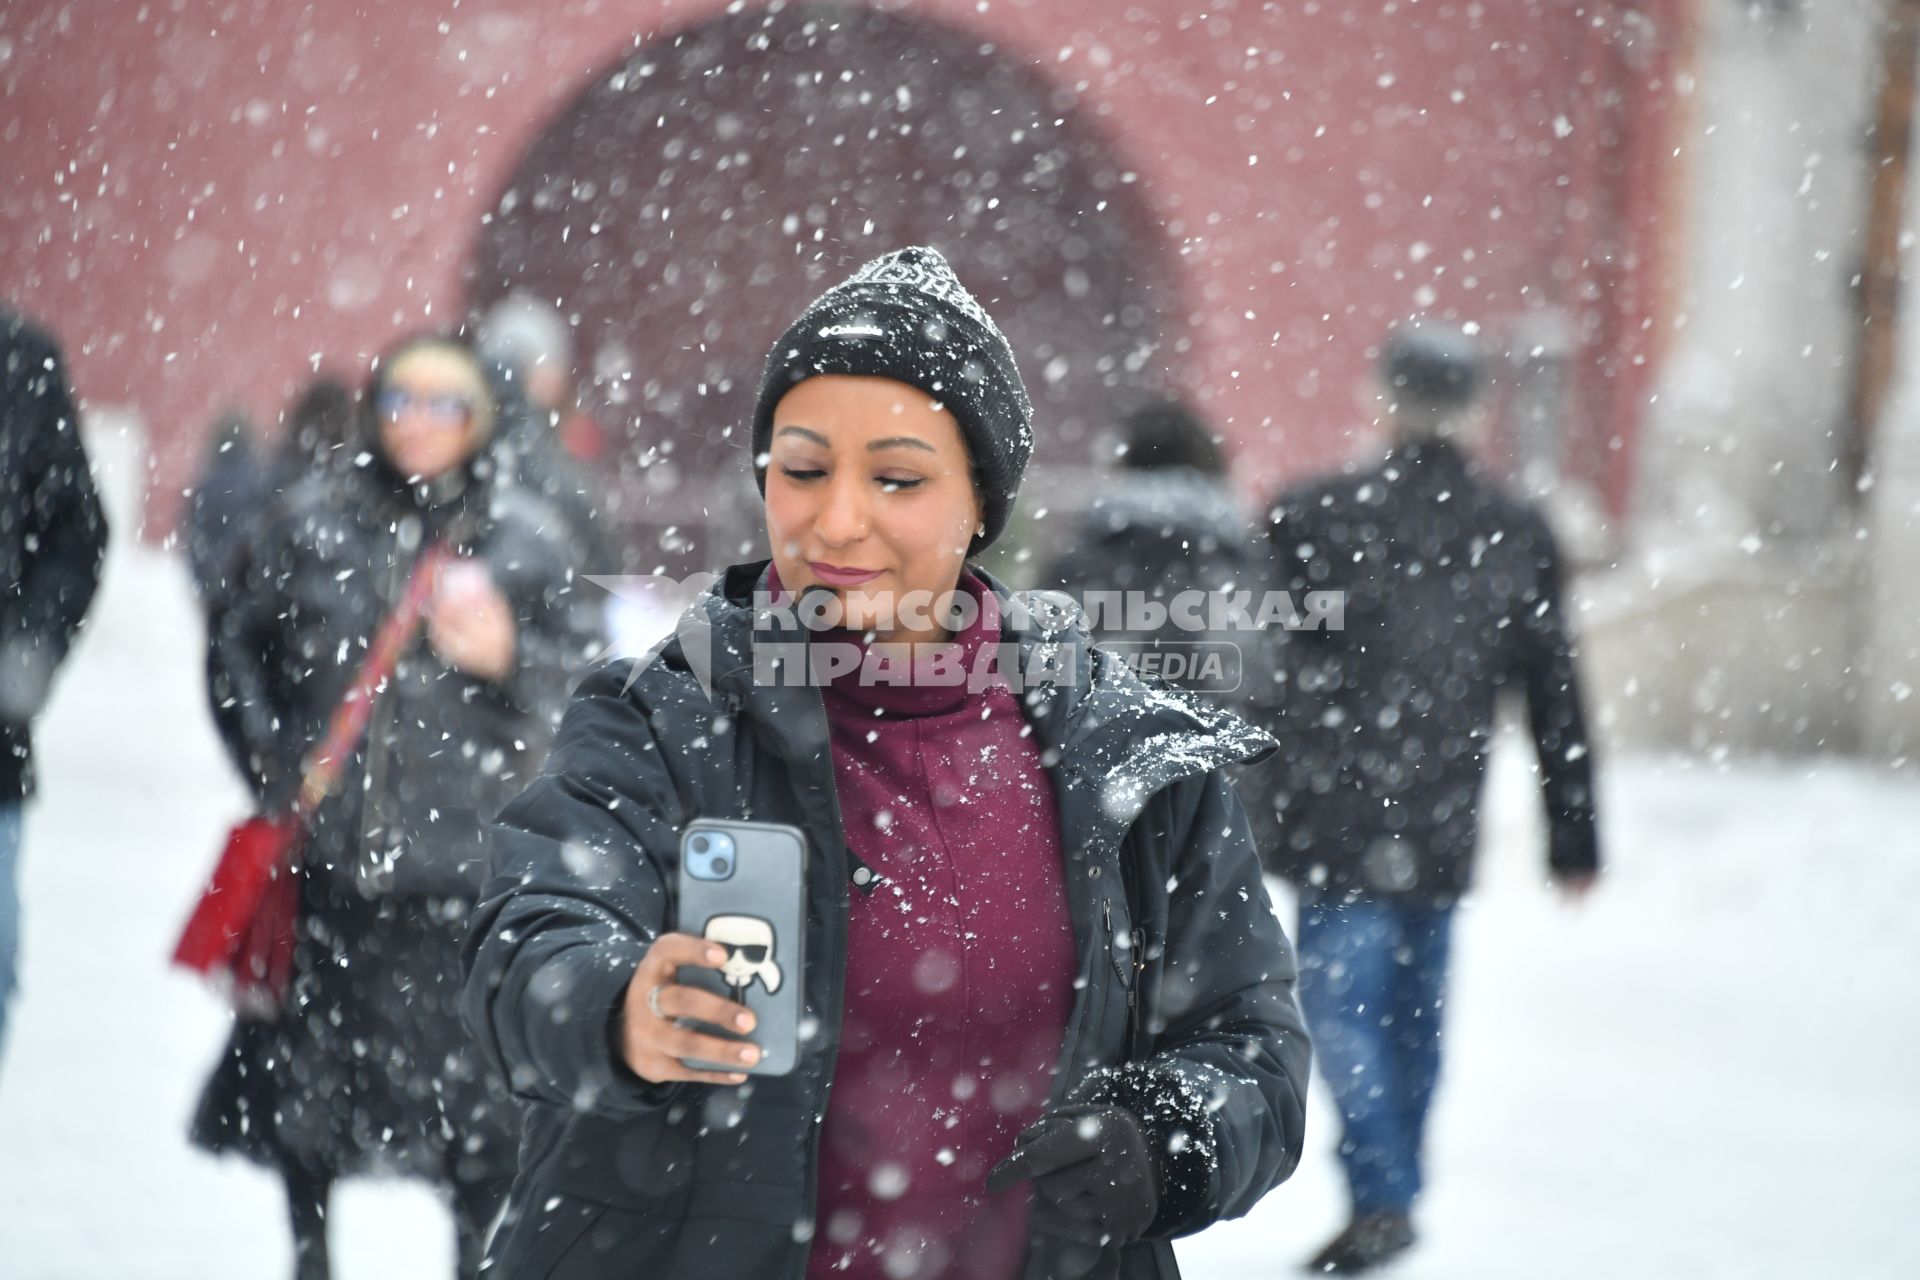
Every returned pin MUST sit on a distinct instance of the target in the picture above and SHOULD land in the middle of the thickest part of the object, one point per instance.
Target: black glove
(1095, 1188)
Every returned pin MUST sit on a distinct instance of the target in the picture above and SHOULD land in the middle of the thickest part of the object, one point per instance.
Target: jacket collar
(1434, 458)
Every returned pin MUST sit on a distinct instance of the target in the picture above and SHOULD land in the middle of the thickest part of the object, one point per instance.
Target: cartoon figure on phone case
(749, 944)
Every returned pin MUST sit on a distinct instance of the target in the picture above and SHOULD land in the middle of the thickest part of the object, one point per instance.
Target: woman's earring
(980, 530)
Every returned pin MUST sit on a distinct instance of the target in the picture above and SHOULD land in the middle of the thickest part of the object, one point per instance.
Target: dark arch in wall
(698, 194)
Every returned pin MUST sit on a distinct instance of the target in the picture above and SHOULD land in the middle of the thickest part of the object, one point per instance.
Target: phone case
(759, 914)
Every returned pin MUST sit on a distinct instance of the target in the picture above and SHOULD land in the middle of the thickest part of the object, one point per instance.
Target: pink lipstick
(835, 576)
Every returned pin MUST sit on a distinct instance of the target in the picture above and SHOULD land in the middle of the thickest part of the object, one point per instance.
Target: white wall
(1733, 620)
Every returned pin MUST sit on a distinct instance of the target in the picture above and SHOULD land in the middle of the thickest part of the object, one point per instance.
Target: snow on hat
(907, 317)
(520, 331)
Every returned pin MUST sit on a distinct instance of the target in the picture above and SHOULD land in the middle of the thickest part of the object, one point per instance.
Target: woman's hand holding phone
(654, 1043)
(470, 623)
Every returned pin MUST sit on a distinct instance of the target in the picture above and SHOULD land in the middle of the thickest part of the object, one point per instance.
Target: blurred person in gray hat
(530, 336)
(1452, 593)
(546, 439)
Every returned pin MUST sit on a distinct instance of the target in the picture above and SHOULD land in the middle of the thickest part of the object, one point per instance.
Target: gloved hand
(1095, 1188)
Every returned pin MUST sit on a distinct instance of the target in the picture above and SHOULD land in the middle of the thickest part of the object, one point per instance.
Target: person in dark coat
(530, 341)
(1049, 1013)
(239, 488)
(53, 540)
(1452, 593)
(234, 481)
(1169, 529)
(320, 433)
(367, 1068)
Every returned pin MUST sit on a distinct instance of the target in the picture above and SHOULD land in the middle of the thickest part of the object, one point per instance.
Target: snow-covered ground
(1707, 1070)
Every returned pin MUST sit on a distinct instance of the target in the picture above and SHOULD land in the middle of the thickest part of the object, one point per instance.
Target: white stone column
(1729, 624)
(1743, 434)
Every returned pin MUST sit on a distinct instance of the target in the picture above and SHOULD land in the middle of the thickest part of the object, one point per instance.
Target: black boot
(1369, 1240)
(307, 1195)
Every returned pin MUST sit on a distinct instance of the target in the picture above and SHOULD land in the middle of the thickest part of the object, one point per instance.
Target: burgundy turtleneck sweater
(960, 967)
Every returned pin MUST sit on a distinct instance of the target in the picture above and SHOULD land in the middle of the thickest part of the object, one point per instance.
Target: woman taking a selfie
(1048, 1017)
(366, 1067)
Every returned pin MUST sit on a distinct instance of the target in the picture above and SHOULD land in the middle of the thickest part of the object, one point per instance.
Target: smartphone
(743, 887)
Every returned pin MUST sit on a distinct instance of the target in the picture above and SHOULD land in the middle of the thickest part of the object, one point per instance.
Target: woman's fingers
(671, 950)
(672, 1071)
(678, 1001)
(690, 1046)
(664, 1050)
(656, 1045)
(476, 634)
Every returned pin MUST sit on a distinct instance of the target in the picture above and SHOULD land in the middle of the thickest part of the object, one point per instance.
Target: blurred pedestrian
(1371, 807)
(367, 1067)
(1044, 1060)
(320, 433)
(531, 341)
(1167, 529)
(240, 484)
(234, 481)
(529, 336)
(53, 539)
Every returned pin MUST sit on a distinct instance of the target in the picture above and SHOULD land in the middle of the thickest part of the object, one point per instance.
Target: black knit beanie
(907, 317)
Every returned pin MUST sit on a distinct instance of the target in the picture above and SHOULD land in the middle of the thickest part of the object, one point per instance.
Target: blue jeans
(1373, 976)
(9, 907)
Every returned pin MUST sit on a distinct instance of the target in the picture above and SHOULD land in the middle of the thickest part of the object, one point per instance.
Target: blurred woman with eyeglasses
(366, 1069)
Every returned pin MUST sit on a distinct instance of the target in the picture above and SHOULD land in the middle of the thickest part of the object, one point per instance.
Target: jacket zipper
(838, 930)
(1092, 997)
(1106, 915)
(1136, 970)
(1136, 1002)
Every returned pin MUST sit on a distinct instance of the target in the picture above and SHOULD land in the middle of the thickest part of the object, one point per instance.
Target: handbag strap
(348, 724)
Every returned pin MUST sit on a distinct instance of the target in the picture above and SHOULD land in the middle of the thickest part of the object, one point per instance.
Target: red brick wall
(204, 203)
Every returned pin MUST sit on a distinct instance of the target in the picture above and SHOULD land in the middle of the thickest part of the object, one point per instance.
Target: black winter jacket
(53, 538)
(1163, 534)
(445, 749)
(623, 1178)
(234, 485)
(1452, 592)
(529, 450)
